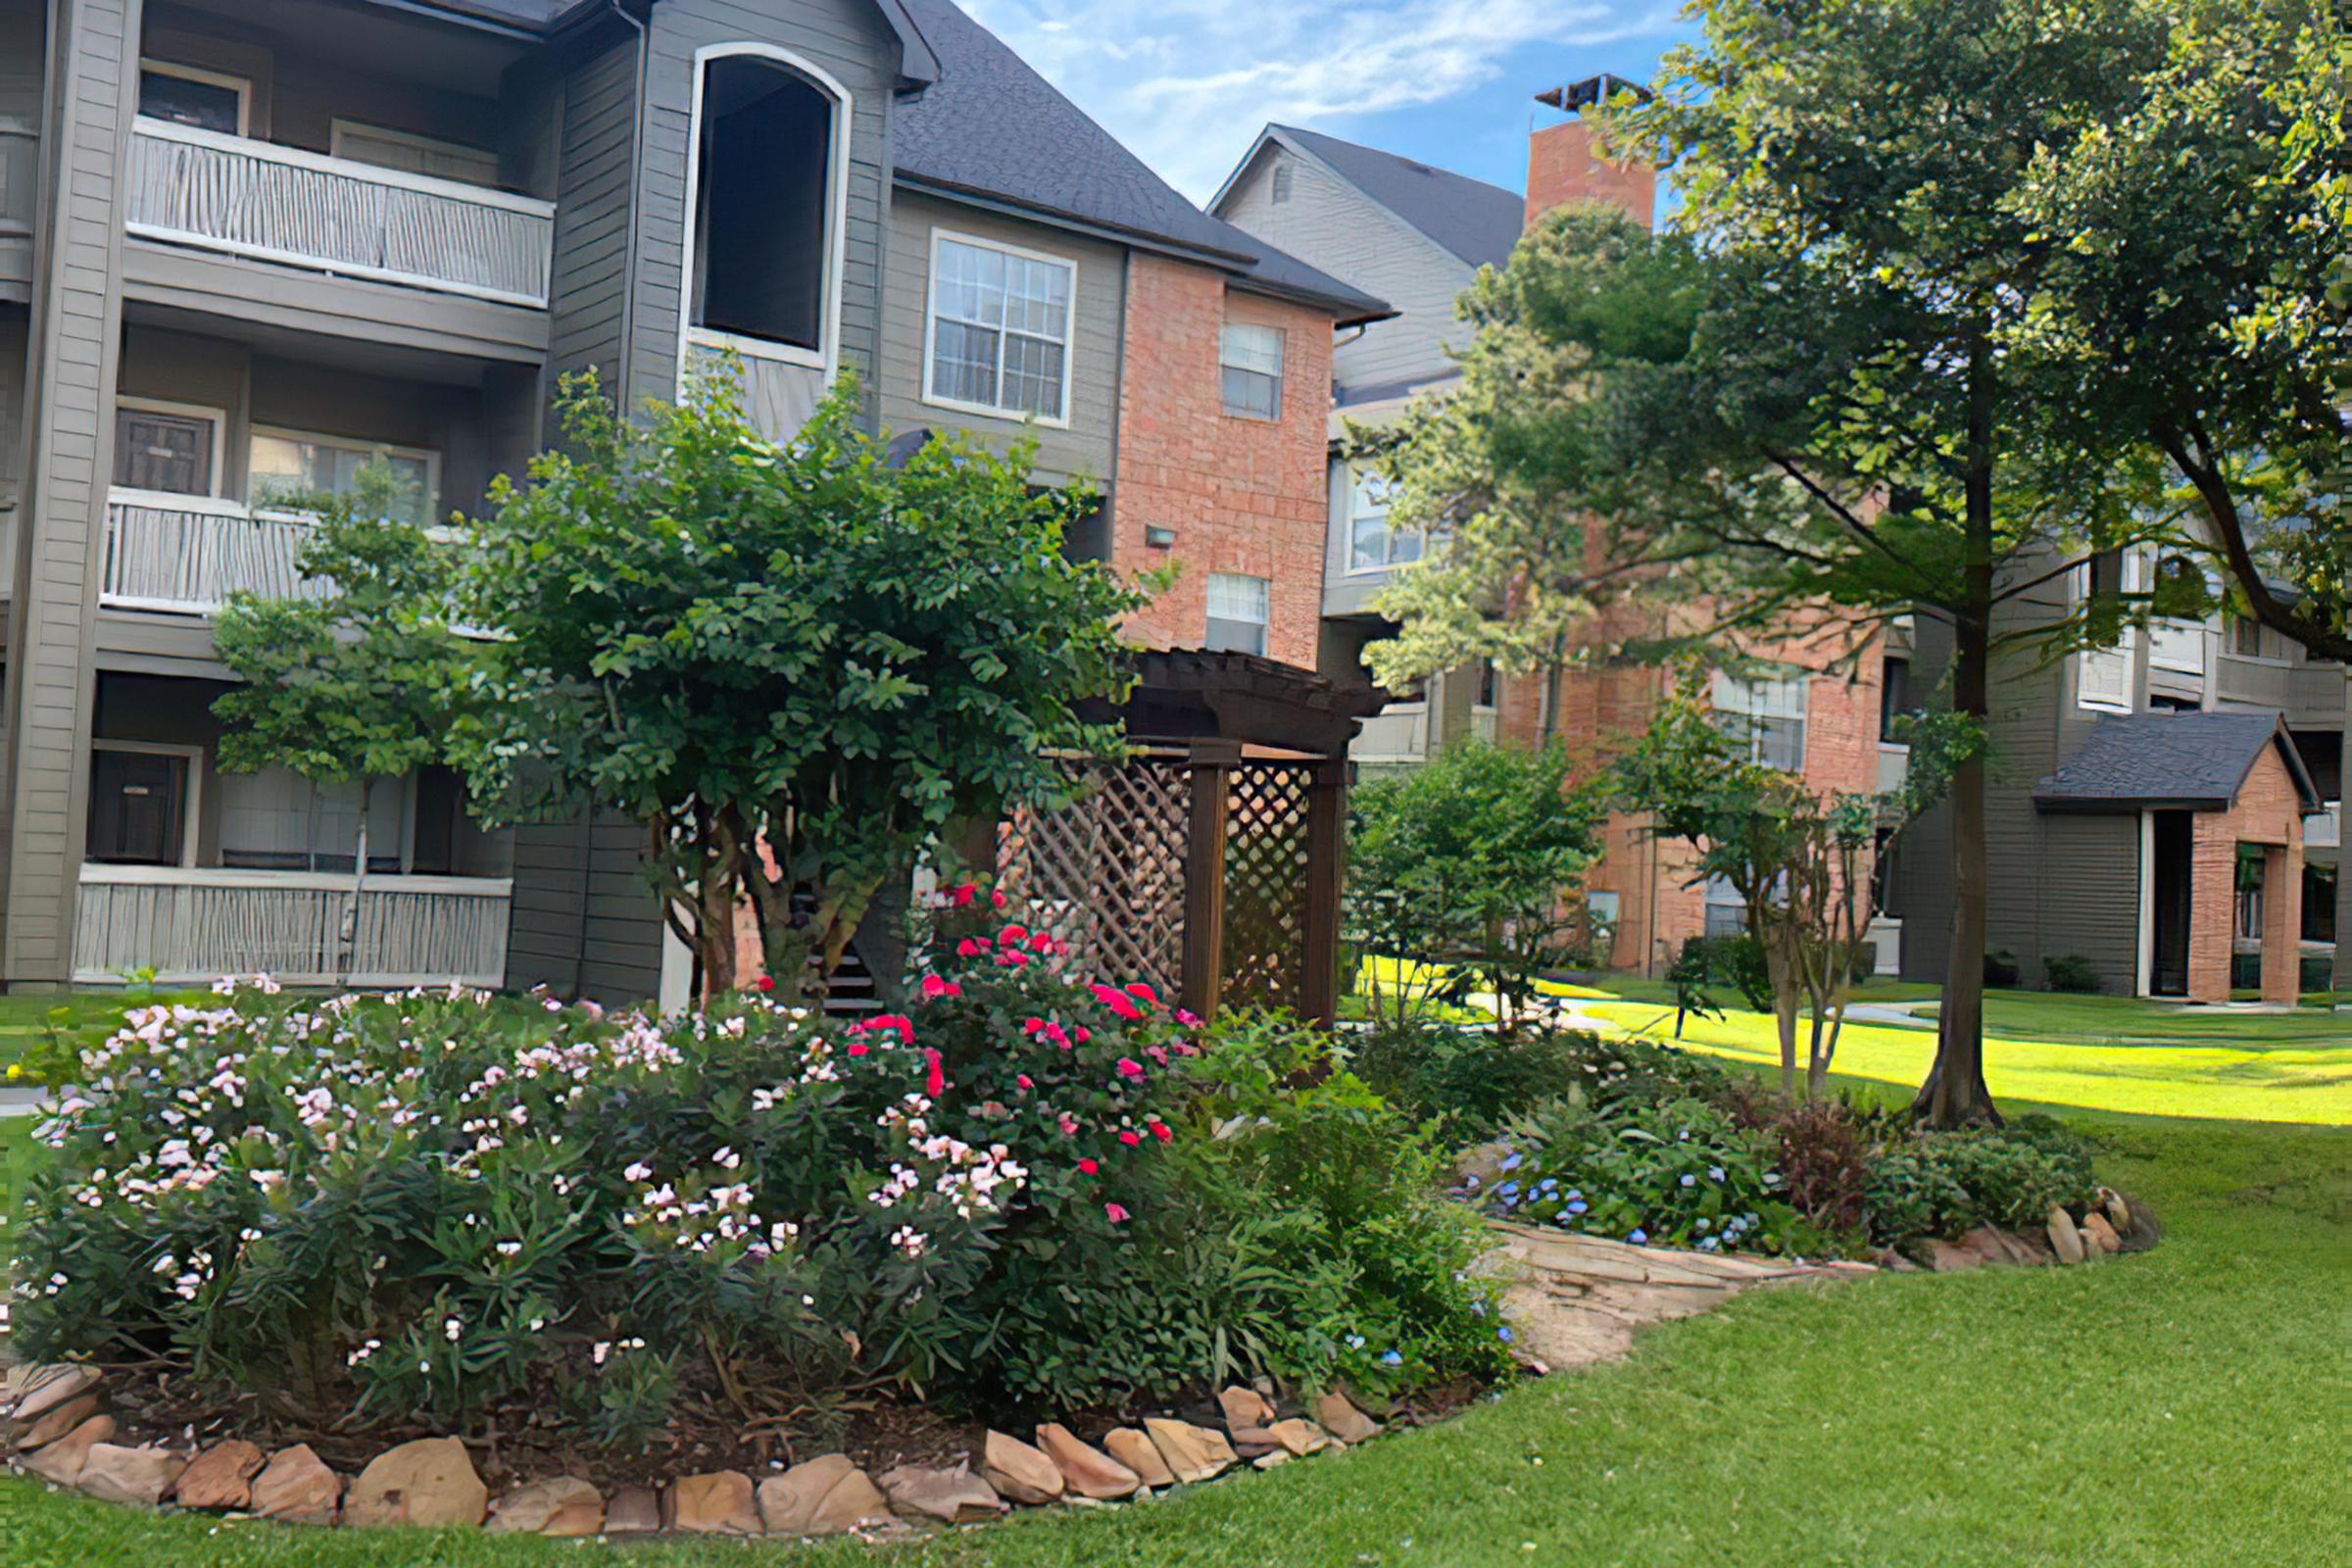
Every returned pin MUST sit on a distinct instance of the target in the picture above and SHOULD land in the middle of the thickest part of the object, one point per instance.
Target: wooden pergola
(1209, 864)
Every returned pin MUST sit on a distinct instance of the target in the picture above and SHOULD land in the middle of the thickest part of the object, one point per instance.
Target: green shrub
(2072, 972)
(1678, 1174)
(1472, 1077)
(1946, 1184)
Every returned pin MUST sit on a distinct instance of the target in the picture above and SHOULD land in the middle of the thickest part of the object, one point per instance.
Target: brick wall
(1242, 495)
(1561, 168)
(2269, 813)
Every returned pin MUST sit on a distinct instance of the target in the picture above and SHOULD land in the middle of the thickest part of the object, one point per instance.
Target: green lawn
(2181, 1407)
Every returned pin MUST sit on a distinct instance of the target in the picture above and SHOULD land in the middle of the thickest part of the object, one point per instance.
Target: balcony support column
(76, 320)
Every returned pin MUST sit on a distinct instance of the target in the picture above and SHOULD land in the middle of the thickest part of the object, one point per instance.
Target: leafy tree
(364, 675)
(1829, 397)
(1457, 868)
(793, 664)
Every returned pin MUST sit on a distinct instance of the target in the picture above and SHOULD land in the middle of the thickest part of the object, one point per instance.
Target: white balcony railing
(1895, 766)
(1397, 734)
(283, 203)
(2324, 829)
(191, 926)
(187, 553)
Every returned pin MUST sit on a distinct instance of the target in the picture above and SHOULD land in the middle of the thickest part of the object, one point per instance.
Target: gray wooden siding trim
(595, 166)
(50, 684)
(1331, 224)
(317, 304)
(583, 923)
(1086, 448)
(850, 41)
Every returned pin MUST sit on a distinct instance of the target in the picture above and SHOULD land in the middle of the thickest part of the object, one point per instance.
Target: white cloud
(1186, 84)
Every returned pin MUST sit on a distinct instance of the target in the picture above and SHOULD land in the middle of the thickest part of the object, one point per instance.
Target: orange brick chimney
(1561, 166)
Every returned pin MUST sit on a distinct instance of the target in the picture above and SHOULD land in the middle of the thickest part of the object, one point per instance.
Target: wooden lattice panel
(1105, 874)
(1266, 877)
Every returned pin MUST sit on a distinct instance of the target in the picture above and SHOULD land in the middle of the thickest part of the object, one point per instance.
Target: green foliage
(1734, 960)
(2072, 971)
(367, 676)
(1946, 1184)
(808, 646)
(1681, 1173)
(1473, 1078)
(1464, 863)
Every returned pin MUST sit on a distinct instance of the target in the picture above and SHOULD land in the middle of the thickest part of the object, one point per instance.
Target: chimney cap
(1592, 90)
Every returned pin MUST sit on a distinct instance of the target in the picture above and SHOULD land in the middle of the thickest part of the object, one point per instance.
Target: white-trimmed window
(1372, 544)
(1001, 320)
(385, 148)
(1727, 910)
(1237, 613)
(767, 224)
(190, 96)
(285, 465)
(1768, 712)
(1249, 356)
(143, 799)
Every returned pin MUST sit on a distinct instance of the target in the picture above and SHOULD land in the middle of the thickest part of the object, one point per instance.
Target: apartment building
(249, 248)
(1417, 236)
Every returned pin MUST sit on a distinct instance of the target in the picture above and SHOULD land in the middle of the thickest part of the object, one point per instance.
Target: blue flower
(1714, 1173)
(1708, 1244)
(1507, 1188)
(1391, 1359)
(1510, 1162)
(1563, 1218)
(1547, 1184)
(1504, 1335)
(1356, 1341)
(1579, 1207)
(1470, 1180)
(1575, 1192)
(1689, 1180)
(1638, 1237)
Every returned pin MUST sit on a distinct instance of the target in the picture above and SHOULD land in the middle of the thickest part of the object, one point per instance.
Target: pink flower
(1089, 1166)
(1158, 1053)
(1033, 1026)
(1012, 936)
(1043, 941)
(996, 895)
(1023, 1080)
(970, 948)
(934, 987)
(859, 1048)
(1013, 960)
(1187, 1018)
(1069, 1125)
(1130, 1137)
(1117, 1002)
(1129, 1067)
(935, 1077)
(1084, 1035)
(961, 895)
(766, 982)
(1162, 1131)
(1115, 1214)
(1143, 993)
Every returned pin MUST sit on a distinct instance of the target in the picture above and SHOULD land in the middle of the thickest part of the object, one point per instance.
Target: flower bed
(1032, 1190)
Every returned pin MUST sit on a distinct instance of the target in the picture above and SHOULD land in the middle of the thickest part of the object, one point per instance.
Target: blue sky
(1186, 84)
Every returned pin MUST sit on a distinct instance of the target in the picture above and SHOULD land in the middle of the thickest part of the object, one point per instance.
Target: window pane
(1236, 596)
(205, 105)
(1250, 395)
(277, 820)
(1033, 376)
(283, 469)
(1368, 543)
(970, 285)
(1404, 545)
(1252, 347)
(138, 802)
(964, 363)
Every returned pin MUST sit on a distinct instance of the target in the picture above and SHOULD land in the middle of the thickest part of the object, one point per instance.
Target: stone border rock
(1573, 1298)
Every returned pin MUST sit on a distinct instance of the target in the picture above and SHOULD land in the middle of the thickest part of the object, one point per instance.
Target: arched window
(769, 156)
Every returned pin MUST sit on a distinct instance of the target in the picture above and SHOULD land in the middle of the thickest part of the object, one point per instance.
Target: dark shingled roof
(992, 127)
(1475, 220)
(2194, 762)
(543, 16)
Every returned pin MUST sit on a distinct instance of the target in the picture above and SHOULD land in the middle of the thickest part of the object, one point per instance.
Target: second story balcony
(189, 185)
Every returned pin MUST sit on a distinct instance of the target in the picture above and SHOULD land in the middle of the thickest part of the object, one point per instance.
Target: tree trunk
(358, 882)
(1954, 1094)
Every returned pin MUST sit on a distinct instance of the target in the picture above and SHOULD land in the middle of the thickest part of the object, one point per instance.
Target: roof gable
(2192, 762)
(1477, 224)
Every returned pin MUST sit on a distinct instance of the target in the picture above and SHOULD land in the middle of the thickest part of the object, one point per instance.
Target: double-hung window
(1372, 544)
(1769, 713)
(1237, 613)
(1250, 359)
(287, 466)
(1000, 322)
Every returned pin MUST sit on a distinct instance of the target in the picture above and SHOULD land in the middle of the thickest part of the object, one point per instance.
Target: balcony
(197, 925)
(2324, 829)
(185, 555)
(1895, 766)
(281, 204)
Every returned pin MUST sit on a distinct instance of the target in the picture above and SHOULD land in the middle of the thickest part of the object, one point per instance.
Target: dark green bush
(1471, 1077)
(1946, 1184)
(2072, 972)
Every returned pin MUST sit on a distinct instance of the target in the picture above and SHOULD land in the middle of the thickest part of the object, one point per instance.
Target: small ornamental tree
(1457, 870)
(1800, 861)
(792, 664)
(365, 675)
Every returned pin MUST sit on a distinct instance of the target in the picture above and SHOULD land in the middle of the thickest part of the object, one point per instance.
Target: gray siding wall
(595, 164)
(21, 53)
(49, 675)
(850, 41)
(1088, 446)
(583, 921)
(1332, 225)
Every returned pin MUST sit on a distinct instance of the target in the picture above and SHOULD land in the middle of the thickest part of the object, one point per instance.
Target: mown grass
(2283, 1084)
(2181, 1407)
